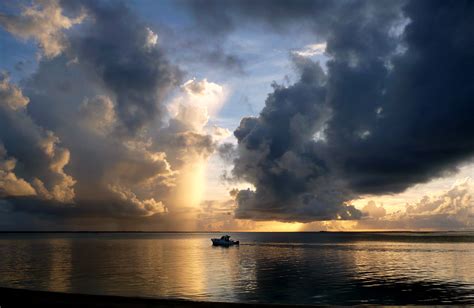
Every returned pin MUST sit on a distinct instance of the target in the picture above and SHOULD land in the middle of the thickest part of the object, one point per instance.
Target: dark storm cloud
(197, 48)
(277, 154)
(227, 151)
(217, 56)
(222, 17)
(394, 109)
(214, 20)
(114, 44)
(425, 125)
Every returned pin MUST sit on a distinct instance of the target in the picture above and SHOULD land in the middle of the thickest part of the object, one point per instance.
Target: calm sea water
(303, 268)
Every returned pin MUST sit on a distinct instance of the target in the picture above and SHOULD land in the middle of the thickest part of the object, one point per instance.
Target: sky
(206, 115)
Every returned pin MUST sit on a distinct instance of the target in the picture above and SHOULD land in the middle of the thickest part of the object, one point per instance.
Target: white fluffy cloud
(43, 22)
(10, 95)
(10, 184)
(151, 38)
(311, 50)
(198, 101)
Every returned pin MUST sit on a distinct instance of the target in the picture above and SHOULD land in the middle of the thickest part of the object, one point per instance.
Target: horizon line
(321, 231)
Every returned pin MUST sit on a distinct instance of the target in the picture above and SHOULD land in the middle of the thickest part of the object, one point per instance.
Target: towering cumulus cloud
(76, 140)
(105, 131)
(393, 109)
(277, 153)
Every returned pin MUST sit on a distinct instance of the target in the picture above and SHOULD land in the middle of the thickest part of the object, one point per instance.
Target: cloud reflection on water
(289, 268)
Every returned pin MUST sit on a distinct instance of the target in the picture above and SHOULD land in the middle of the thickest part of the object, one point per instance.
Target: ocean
(288, 268)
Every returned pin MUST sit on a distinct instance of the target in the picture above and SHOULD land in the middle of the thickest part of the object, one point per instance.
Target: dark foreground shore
(28, 298)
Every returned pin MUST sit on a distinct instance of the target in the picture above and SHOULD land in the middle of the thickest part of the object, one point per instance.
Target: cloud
(222, 17)
(451, 210)
(31, 151)
(217, 215)
(189, 140)
(44, 22)
(218, 133)
(389, 119)
(92, 133)
(151, 39)
(215, 21)
(79, 137)
(405, 145)
(190, 47)
(227, 151)
(276, 153)
(10, 185)
(372, 210)
(117, 51)
(199, 100)
(98, 114)
(11, 96)
(149, 206)
(311, 50)
(188, 135)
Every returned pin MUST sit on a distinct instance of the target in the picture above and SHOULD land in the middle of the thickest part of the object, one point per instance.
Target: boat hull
(219, 242)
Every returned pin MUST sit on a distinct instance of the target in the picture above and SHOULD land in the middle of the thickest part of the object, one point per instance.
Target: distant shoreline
(205, 232)
(10, 297)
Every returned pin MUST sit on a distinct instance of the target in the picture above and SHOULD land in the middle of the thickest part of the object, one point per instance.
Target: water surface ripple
(293, 268)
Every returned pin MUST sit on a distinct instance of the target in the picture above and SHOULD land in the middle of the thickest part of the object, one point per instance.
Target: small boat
(224, 241)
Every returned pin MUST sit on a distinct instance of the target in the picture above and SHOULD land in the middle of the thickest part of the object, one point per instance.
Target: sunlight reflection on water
(281, 267)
